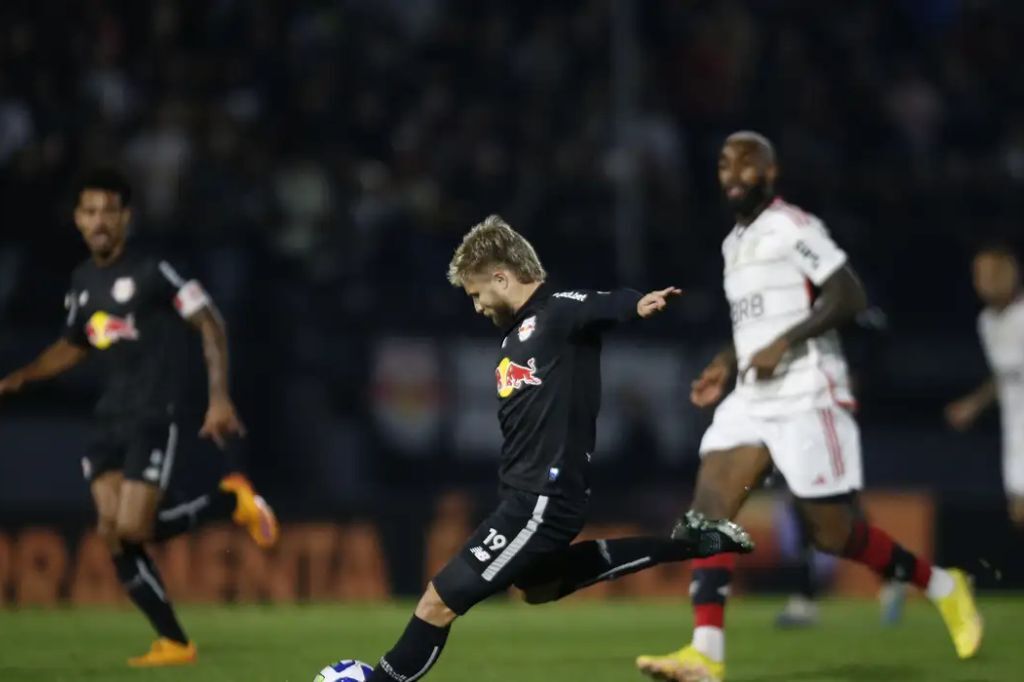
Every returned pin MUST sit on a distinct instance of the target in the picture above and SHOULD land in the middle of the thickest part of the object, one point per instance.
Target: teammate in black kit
(549, 386)
(126, 308)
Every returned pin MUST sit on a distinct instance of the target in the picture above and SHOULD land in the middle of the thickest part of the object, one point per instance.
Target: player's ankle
(940, 584)
(710, 641)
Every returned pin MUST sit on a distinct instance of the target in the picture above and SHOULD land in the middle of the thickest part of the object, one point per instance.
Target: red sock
(874, 548)
(711, 578)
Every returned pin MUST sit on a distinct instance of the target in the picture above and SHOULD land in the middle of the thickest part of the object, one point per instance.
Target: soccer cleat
(891, 598)
(961, 616)
(685, 665)
(251, 510)
(165, 652)
(800, 612)
(712, 536)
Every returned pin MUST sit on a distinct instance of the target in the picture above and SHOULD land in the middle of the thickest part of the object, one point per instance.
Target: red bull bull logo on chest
(512, 376)
(104, 329)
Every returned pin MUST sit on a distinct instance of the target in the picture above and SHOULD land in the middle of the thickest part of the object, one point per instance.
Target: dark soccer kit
(129, 313)
(549, 391)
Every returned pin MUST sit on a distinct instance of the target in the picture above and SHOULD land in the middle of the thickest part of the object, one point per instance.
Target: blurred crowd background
(315, 163)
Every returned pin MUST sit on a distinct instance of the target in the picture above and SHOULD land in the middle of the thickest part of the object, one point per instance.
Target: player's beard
(104, 251)
(502, 315)
(751, 201)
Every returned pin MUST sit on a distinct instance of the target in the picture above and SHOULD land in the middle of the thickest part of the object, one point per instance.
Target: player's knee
(107, 530)
(709, 501)
(134, 531)
(433, 610)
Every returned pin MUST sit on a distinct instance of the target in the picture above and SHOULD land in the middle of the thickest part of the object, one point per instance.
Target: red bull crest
(512, 376)
(104, 329)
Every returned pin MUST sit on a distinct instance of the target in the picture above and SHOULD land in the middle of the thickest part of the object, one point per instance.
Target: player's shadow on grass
(852, 672)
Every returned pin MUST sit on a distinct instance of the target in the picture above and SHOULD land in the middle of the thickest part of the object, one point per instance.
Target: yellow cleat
(685, 665)
(165, 652)
(961, 615)
(252, 511)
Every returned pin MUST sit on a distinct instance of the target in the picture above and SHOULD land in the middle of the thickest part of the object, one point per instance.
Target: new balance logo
(573, 295)
(481, 554)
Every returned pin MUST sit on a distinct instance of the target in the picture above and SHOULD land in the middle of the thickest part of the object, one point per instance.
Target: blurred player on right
(997, 279)
(790, 288)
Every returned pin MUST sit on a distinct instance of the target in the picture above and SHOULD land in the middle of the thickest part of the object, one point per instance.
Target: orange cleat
(252, 511)
(165, 652)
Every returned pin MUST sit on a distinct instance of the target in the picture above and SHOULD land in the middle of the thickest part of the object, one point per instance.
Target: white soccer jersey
(1002, 334)
(771, 268)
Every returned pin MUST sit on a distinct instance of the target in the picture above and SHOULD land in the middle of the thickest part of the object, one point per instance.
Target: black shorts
(523, 531)
(143, 450)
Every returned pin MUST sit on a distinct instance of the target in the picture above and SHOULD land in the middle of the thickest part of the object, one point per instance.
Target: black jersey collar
(541, 294)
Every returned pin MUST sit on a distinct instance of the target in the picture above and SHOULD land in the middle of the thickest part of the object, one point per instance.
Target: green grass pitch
(577, 641)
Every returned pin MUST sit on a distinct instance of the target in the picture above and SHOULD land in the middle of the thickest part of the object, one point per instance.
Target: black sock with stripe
(415, 653)
(181, 518)
(141, 580)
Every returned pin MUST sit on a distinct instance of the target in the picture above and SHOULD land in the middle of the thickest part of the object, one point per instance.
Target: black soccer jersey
(549, 387)
(129, 314)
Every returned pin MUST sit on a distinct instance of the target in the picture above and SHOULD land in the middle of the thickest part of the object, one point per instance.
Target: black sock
(805, 574)
(141, 581)
(805, 570)
(415, 653)
(181, 518)
(587, 563)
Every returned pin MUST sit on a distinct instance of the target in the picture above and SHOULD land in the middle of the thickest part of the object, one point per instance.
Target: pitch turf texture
(584, 641)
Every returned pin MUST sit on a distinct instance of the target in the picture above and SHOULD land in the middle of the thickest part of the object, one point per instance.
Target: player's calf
(593, 561)
(419, 647)
(830, 522)
(141, 580)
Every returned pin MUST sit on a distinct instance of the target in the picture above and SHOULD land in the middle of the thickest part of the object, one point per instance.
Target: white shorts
(1013, 470)
(817, 451)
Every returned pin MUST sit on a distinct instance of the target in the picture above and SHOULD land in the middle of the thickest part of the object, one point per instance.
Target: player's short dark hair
(108, 180)
(997, 247)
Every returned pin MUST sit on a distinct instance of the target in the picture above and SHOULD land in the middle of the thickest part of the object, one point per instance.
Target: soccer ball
(345, 671)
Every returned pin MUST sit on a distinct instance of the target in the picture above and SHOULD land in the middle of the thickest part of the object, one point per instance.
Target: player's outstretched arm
(962, 413)
(599, 311)
(221, 417)
(58, 358)
(841, 298)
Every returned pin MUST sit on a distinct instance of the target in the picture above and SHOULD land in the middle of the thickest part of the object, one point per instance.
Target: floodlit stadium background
(315, 164)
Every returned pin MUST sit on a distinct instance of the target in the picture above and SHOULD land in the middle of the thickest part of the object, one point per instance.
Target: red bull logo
(512, 376)
(104, 329)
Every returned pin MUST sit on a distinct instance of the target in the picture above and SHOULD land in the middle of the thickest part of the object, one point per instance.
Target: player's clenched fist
(221, 422)
(963, 413)
(709, 387)
(656, 301)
